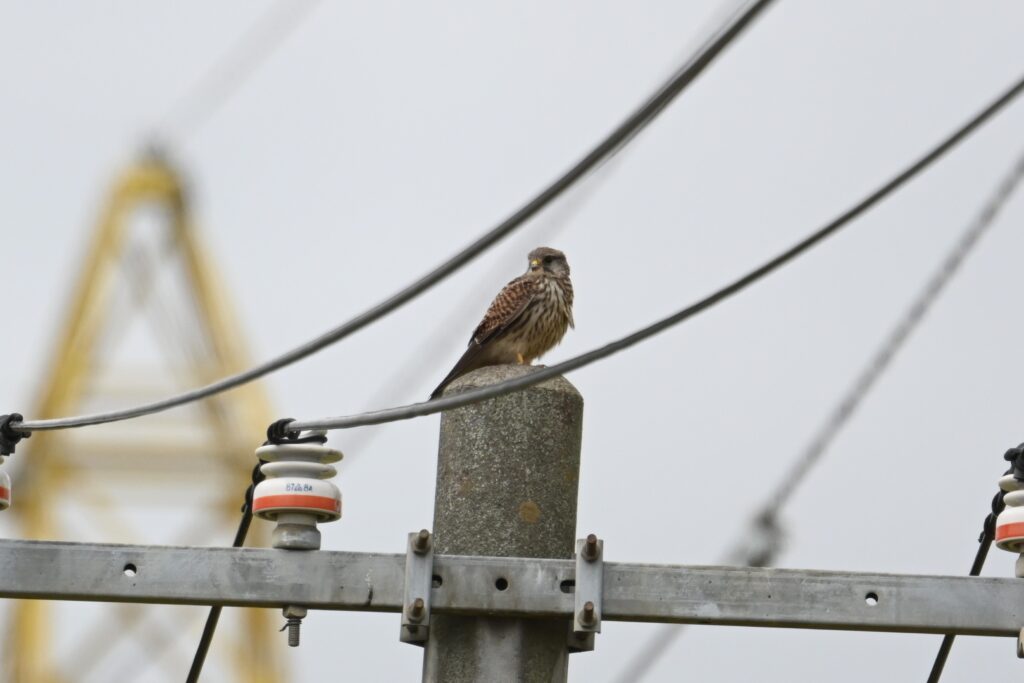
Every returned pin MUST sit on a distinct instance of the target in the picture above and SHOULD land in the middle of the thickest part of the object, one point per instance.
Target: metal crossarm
(788, 598)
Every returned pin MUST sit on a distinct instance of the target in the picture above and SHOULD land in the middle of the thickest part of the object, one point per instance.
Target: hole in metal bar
(130, 570)
(501, 584)
(871, 599)
(436, 581)
(567, 586)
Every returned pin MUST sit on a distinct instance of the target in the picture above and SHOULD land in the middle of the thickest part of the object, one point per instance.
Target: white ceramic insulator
(5, 488)
(1009, 483)
(292, 452)
(295, 483)
(1010, 522)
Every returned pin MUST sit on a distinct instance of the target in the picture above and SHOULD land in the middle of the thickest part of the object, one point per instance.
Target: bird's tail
(471, 360)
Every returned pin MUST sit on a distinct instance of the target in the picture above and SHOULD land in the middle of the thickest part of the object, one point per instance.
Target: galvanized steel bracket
(588, 594)
(419, 574)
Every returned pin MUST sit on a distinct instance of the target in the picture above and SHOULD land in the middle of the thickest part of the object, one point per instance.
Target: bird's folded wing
(511, 302)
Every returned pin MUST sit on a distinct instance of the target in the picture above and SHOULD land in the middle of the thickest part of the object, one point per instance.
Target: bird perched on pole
(529, 316)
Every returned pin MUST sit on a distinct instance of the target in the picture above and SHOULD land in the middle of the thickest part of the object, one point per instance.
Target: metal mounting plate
(419, 572)
(588, 599)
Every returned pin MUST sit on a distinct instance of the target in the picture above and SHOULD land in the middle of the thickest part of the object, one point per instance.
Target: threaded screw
(590, 551)
(294, 623)
(416, 610)
(421, 542)
(587, 614)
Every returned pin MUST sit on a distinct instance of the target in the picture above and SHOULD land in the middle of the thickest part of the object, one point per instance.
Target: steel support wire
(508, 386)
(623, 133)
(767, 517)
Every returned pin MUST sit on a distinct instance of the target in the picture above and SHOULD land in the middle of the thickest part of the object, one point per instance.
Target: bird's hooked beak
(534, 263)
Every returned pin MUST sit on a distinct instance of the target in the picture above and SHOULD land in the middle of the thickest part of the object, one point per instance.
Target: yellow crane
(177, 478)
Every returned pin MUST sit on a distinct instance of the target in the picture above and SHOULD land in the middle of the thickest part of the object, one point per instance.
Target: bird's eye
(548, 259)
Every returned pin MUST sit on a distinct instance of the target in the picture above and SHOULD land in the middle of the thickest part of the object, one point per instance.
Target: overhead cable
(892, 345)
(519, 383)
(409, 374)
(766, 519)
(412, 372)
(622, 134)
(226, 75)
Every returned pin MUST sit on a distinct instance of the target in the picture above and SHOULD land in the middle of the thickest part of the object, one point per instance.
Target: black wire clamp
(9, 436)
(278, 433)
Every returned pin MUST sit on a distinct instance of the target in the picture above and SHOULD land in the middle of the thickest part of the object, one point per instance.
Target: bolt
(294, 615)
(294, 623)
(587, 614)
(421, 544)
(590, 551)
(416, 610)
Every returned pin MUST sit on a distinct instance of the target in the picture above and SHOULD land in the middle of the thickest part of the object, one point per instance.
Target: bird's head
(548, 260)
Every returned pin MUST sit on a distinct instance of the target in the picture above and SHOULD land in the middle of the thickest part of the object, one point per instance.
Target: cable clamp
(9, 436)
(278, 433)
(419, 579)
(1015, 456)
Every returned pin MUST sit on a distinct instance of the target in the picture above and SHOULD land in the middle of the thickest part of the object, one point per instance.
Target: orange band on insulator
(292, 500)
(1009, 530)
(5, 492)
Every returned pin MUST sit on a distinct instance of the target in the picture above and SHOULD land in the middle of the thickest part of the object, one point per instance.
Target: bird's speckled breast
(547, 318)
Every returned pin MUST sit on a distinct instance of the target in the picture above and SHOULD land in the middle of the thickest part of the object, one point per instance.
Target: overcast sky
(382, 136)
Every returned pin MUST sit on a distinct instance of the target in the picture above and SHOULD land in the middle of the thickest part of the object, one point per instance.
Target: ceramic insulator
(1010, 523)
(295, 483)
(5, 488)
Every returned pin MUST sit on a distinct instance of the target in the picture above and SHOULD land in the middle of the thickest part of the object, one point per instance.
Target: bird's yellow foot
(520, 359)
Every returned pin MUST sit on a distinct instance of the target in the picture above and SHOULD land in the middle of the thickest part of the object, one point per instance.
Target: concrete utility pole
(507, 481)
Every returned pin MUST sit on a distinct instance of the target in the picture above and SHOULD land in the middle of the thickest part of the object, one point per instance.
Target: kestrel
(529, 316)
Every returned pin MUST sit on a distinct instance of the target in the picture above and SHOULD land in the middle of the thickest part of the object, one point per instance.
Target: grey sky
(381, 136)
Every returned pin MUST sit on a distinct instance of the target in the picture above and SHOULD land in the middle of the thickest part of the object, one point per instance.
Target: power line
(227, 74)
(899, 335)
(395, 386)
(410, 373)
(610, 145)
(508, 386)
(879, 362)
